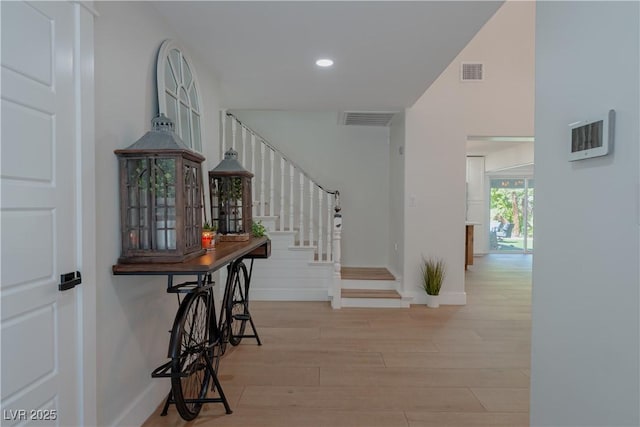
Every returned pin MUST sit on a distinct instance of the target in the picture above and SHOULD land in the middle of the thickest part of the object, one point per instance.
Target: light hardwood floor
(450, 366)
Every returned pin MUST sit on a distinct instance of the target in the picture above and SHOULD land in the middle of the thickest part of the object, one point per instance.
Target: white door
(41, 347)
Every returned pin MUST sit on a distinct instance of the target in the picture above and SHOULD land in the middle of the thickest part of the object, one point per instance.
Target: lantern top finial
(231, 154)
(162, 123)
(230, 165)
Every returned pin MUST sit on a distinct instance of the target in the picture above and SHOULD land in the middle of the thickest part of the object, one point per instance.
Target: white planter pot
(433, 301)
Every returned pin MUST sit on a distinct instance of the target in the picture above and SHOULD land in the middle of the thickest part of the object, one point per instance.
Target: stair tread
(366, 273)
(370, 293)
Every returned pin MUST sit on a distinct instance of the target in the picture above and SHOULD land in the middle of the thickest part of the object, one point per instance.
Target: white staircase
(362, 290)
(291, 273)
(304, 223)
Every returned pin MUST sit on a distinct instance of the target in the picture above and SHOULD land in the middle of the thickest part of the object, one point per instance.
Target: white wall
(351, 159)
(519, 155)
(395, 247)
(134, 313)
(437, 126)
(586, 335)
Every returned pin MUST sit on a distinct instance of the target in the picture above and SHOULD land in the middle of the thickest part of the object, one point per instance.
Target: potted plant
(433, 272)
(258, 229)
(208, 236)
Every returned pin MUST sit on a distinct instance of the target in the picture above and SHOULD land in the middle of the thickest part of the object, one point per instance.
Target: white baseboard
(288, 294)
(142, 406)
(446, 298)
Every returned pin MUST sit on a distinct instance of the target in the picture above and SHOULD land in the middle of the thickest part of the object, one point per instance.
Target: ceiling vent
(366, 118)
(471, 72)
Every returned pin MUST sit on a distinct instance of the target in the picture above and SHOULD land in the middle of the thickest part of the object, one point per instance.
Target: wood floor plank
(363, 398)
(303, 358)
(503, 399)
(462, 419)
(422, 377)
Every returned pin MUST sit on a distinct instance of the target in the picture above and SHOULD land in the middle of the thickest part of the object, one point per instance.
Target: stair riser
(374, 303)
(370, 284)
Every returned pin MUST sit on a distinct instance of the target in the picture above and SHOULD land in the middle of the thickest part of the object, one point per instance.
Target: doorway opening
(511, 205)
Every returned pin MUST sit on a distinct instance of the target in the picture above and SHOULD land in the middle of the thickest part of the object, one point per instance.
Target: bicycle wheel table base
(238, 303)
(199, 338)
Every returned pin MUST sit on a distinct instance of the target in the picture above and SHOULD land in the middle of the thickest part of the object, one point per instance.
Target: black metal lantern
(230, 189)
(160, 197)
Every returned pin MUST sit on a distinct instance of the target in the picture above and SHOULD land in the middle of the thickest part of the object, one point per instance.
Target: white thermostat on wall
(592, 138)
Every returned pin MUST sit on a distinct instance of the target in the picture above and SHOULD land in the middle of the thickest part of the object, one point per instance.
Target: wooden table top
(221, 255)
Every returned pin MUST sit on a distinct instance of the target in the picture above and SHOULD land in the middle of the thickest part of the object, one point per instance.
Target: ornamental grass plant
(433, 272)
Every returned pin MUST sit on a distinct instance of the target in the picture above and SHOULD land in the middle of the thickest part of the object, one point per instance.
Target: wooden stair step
(366, 273)
(370, 293)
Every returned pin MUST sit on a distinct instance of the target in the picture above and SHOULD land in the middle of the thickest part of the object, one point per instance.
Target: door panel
(40, 348)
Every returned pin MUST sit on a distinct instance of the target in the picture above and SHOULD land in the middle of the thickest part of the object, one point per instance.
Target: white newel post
(336, 301)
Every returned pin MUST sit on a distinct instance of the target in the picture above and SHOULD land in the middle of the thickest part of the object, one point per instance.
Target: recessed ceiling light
(324, 62)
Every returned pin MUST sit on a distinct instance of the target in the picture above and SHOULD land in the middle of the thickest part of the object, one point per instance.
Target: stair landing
(370, 287)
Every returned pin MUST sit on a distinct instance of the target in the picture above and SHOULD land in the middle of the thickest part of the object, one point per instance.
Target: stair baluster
(243, 136)
(253, 168)
(301, 223)
(291, 196)
(310, 213)
(262, 208)
(233, 134)
(271, 183)
(281, 219)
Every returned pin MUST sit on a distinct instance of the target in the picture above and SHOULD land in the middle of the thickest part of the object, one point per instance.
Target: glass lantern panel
(133, 217)
(145, 241)
(134, 239)
(171, 239)
(161, 239)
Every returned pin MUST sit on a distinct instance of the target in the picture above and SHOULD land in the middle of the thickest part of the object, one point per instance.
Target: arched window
(178, 93)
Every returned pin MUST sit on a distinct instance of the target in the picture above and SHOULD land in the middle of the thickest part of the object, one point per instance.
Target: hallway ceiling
(386, 53)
